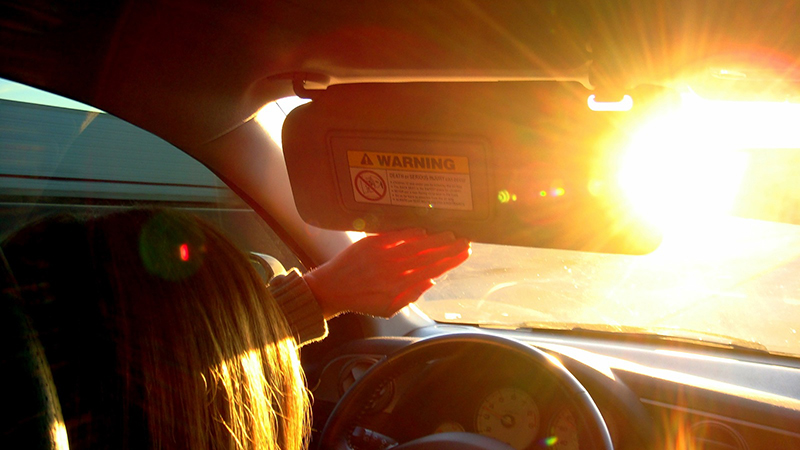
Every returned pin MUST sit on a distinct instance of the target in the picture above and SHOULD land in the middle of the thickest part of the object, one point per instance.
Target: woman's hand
(381, 274)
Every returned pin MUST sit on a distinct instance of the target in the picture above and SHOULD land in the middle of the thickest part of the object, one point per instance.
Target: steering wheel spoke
(363, 438)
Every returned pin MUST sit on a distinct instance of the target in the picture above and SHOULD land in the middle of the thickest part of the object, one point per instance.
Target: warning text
(409, 162)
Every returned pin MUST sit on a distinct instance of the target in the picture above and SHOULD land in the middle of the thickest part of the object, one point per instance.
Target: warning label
(417, 163)
(428, 181)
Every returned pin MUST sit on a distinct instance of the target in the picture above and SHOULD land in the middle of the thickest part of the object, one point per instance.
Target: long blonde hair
(203, 356)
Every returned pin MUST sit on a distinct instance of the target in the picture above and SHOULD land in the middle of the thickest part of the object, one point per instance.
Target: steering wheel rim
(357, 401)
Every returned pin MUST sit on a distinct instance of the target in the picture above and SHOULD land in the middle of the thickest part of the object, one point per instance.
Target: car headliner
(191, 71)
(196, 72)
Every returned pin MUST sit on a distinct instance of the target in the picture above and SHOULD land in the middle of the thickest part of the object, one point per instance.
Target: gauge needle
(486, 408)
(506, 420)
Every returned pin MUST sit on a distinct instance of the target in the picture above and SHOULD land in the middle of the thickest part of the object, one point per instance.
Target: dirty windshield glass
(709, 175)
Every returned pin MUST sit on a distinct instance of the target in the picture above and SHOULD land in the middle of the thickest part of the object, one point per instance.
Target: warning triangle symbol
(366, 161)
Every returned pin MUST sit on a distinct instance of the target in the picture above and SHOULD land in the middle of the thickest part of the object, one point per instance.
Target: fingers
(411, 240)
(422, 279)
(410, 295)
(416, 262)
(433, 256)
(383, 273)
(411, 248)
(393, 238)
(441, 266)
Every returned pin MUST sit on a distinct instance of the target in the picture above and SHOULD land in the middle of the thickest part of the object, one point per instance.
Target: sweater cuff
(298, 304)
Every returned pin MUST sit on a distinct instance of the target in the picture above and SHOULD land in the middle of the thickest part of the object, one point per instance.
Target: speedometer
(509, 415)
(563, 431)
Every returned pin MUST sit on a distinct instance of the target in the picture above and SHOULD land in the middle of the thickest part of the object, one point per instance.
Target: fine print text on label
(428, 181)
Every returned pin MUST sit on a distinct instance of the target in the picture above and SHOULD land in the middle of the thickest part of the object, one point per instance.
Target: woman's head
(164, 334)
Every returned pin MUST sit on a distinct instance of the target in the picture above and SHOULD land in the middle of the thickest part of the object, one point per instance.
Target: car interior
(625, 171)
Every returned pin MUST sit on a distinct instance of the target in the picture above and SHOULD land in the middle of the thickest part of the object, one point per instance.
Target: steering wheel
(360, 398)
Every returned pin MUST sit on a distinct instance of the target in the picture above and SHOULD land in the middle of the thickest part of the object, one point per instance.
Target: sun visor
(525, 164)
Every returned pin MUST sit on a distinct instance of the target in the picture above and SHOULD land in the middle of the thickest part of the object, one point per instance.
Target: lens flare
(171, 247)
(550, 441)
(183, 250)
(683, 171)
(690, 163)
(671, 180)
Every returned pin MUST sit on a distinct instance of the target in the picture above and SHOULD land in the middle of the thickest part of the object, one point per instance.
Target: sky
(10, 90)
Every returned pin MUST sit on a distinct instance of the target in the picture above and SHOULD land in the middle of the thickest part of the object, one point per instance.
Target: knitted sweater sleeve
(298, 304)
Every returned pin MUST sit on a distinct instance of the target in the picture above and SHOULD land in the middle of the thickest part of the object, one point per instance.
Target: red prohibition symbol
(370, 185)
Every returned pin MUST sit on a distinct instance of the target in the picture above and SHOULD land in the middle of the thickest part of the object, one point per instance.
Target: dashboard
(650, 395)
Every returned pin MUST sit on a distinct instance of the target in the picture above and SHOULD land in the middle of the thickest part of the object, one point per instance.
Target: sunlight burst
(687, 165)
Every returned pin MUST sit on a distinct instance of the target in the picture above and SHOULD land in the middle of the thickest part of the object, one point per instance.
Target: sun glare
(58, 434)
(272, 115)
(623, 105)
(688, 164)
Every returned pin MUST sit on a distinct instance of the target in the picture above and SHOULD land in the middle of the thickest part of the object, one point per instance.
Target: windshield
(707, 175)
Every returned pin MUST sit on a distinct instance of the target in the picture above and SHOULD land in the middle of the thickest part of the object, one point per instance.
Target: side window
(57, 155)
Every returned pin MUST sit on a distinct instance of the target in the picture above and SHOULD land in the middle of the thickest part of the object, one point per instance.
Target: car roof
(191, 71)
